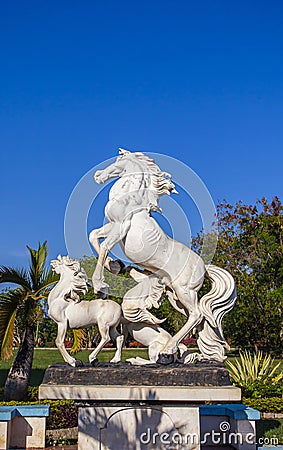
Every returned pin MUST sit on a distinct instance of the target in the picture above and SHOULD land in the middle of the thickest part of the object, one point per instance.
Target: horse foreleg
(94, 239)
(116, 234)
(61, 333)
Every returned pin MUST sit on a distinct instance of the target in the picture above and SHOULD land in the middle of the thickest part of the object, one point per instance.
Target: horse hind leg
(190, 301)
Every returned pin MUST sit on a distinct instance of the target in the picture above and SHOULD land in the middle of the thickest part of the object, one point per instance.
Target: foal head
(72, 276)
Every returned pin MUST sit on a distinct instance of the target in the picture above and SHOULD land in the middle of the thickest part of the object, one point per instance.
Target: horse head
(115, 170)
(129, 164)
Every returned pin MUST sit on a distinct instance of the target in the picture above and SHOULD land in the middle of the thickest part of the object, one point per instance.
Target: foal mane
(76, 285)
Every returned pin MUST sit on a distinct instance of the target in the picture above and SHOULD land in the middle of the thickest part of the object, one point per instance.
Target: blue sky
(199, 81)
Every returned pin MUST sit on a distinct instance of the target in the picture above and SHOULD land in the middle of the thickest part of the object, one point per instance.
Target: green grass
(44, 357)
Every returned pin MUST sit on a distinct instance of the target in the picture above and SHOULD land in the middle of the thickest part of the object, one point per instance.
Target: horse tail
(214, 305)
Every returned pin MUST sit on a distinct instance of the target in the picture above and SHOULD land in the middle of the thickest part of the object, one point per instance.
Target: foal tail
(214, 305)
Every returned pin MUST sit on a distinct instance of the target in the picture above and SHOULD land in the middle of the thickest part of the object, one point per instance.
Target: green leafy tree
(22, 304)
(47, 332)
(250, 246)
(118, 284)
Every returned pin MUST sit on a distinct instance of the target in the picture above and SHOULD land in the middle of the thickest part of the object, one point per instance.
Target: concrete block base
(138, 427)
(5, 431)
(28, 432)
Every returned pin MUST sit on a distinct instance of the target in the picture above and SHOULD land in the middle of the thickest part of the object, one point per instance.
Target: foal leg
(105, 338)
(61, 333)
(119, 339)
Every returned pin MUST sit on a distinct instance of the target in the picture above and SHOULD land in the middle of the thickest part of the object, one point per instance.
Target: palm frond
(278, 377)
(79, 335)
(9, 303)
(37, 265)
(16, 276)
(48, 279)
(7, 343)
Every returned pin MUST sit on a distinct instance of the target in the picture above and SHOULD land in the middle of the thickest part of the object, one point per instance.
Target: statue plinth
(125, 374)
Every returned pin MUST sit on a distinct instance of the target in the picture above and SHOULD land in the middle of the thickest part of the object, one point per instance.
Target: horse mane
(160, 181)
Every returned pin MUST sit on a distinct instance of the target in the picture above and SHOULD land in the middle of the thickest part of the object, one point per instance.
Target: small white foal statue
(69, 312)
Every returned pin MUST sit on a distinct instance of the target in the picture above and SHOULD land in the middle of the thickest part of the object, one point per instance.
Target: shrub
(63, 414)
(272, 404)
(189, 342)
(68, 343)
(135, 344)
(32, 395)
(275, 433)
(256, 375)
(262, 389)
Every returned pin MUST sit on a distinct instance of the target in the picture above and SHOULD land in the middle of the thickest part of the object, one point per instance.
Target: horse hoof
(102, 291)
(165, 359)
(78, 363)
(102, 294)
(116, 266)
(94, 362)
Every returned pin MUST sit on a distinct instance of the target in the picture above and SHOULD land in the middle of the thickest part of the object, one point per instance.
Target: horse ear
(122, 151)
(59, 257)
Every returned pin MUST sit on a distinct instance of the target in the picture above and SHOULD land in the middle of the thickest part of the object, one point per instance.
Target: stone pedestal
(126, 407)
(138, 427)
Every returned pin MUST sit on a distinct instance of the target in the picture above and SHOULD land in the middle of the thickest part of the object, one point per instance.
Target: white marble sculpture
(181, 271)
(69, 312)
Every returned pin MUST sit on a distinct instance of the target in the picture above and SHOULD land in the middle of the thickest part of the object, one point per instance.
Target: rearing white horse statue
(131, 199)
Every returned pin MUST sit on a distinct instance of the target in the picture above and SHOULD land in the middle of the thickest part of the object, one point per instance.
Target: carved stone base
(200, 374)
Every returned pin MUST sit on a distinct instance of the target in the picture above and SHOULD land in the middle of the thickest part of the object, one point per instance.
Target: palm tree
(33, 285)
